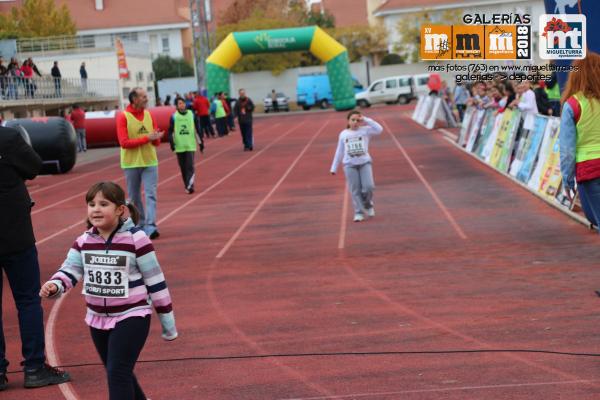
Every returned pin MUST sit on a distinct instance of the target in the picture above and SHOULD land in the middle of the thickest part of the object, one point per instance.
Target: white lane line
(435, 197)
(266, 198)
(450, 389)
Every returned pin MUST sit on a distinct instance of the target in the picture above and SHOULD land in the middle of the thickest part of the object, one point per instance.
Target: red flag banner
(123, 71)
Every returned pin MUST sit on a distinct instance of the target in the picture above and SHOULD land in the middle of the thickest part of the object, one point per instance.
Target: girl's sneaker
(371, 212)
(358, 218)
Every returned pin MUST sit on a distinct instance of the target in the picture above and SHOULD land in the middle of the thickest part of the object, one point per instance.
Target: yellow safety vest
(144, 155)
(588, 129)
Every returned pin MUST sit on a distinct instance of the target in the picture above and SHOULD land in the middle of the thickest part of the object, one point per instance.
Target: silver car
(282, 102)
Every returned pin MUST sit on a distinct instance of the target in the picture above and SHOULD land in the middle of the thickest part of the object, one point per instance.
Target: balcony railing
(54, 44)
(18, 89)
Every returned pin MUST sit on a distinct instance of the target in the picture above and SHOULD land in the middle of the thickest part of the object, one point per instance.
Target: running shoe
(371, 212)
(44, 376)
(358, 218)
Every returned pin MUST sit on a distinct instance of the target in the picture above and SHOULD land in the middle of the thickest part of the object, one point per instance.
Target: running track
(278, 295)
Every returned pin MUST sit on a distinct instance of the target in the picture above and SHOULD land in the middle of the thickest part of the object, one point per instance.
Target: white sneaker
(358, 218)
(371, 212)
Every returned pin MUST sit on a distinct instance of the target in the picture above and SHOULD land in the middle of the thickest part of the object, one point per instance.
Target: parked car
(421, 81)
(314, 89)
(393, 89)
(282, 102)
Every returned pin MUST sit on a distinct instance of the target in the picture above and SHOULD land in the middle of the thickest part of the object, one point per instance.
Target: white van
(420, 84)
(394, 89)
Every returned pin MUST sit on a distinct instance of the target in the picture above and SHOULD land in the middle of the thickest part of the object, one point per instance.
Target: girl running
(121, 278)
(353, 152)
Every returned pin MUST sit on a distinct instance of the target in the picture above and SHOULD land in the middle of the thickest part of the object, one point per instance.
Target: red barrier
(101, 126)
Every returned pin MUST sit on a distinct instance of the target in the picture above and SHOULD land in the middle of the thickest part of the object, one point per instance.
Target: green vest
(184, 132)
(220, 113)
(588, 129)
(554, 93)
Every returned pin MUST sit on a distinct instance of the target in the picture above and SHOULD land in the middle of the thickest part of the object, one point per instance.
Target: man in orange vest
(138, 137)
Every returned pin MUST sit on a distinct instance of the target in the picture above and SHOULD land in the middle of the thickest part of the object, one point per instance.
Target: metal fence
(53, 44)
(18, 88)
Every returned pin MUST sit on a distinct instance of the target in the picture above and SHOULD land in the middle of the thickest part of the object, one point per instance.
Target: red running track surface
(274, 286)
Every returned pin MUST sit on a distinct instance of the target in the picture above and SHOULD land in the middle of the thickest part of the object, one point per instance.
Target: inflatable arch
(311, 38)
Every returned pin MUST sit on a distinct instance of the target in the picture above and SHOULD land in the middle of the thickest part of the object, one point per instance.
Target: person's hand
(49, 289)
(156, 135)
(568, 193)
(550, 112)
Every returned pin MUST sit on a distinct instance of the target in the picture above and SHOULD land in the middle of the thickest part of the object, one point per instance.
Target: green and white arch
(311, 38)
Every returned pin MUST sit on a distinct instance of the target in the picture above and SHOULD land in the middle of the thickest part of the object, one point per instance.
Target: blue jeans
(589, 192)
(148, 176)
(81, 142)
(23, 273)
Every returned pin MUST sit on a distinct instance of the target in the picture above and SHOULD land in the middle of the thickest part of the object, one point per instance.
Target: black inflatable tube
(53, 138)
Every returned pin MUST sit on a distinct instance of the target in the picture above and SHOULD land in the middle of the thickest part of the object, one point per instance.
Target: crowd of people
(542, 97)
(24, 80)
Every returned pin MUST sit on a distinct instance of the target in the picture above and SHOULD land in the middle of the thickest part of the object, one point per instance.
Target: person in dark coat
(243, 110)
(19, 259)
(57, 76)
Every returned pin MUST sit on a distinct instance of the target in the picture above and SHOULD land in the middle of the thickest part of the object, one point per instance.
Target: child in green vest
(183, 137)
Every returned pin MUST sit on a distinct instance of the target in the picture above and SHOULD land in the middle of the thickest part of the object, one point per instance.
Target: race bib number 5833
(105, 275)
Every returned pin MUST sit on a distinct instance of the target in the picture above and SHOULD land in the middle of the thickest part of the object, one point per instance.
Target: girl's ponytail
(133, 212)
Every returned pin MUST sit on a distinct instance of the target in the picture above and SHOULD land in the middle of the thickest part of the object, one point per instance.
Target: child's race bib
(355, 147)
(105, 275)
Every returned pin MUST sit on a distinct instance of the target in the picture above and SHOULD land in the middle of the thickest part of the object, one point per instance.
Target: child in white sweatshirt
(353, 152)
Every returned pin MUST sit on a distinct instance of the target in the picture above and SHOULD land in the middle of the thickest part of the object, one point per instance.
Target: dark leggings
(119, 349)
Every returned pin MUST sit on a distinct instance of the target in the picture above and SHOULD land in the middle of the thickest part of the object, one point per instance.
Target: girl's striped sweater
(147, 285)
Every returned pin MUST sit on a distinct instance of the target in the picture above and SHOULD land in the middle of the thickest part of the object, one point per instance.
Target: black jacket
(243, 110)
(18, 162)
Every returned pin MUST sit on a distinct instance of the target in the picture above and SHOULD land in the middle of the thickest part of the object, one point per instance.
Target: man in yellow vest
(138, 137)
(184, 135)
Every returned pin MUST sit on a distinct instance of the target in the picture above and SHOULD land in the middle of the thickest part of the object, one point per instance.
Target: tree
(37, 18)
(240, 10)
(167, 67)
(323, 20)
(409, 28)
(275, 62)
(361, 41)
(392, 58)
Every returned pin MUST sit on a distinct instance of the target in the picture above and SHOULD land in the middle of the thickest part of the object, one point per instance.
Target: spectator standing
(167, 100)
(138, 137)
(244, 107)
(541, 98)
(220, 114)
(19, 259)
(78, 121)
(553, 92)
(202, 107)
(84, 77)
(274, 101)
(3, 80)
(461, 95)
(27, 74)
(56, 75)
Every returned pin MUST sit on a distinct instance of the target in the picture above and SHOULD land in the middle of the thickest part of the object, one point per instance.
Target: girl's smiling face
(104, 214)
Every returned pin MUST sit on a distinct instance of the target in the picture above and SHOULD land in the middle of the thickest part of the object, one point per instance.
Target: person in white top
(525, 102)
(353, 152)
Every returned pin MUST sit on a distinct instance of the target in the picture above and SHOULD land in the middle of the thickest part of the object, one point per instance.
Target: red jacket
(78, 118)
(122, 133)
(201, 106)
